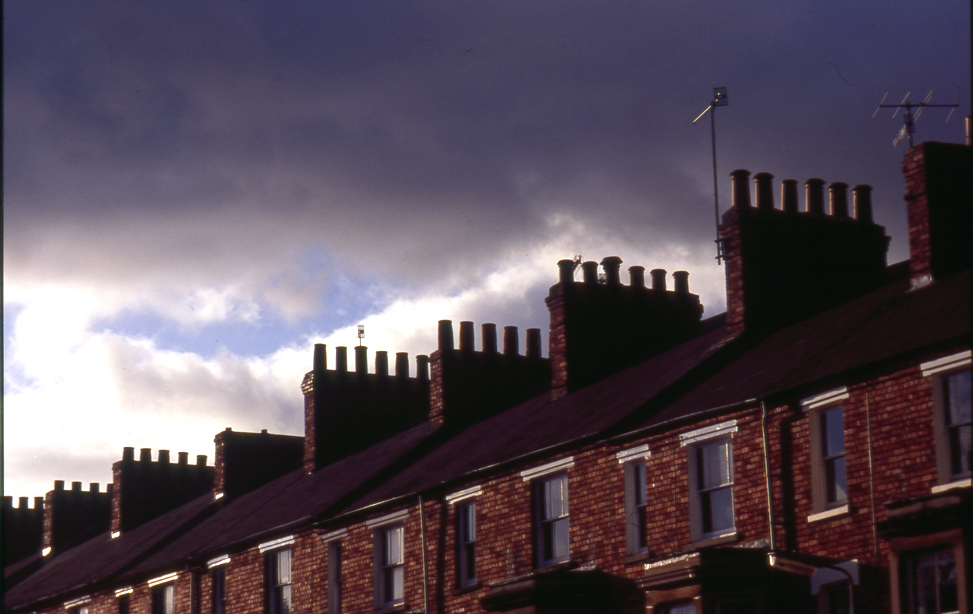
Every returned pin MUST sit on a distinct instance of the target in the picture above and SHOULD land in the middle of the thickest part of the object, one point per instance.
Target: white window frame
(466, 542)
(697, 493)
(911, 562)
(389, 554)
(636, 499)
(817, 408)
(163, 598)
(218, 589)
(277, 585)
(551, 519)
(940, 371)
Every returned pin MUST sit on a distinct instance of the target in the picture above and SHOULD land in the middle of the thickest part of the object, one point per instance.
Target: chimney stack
(600, 329)
(143, 490)
(938, 201)
(247, 460)
(72, 516)
(782, 265)
(343, 414)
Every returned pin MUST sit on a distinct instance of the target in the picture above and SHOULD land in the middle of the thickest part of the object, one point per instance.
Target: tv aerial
(719, 100)
(910, 117)
(361, 333)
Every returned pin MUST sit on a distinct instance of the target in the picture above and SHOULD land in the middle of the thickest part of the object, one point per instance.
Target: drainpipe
(425, 569)
(770, 492)
(871, 474)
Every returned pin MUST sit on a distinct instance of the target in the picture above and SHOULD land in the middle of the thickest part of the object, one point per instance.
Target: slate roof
(829, 349)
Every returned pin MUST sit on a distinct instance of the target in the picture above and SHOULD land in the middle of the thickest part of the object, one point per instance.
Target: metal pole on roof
(719, 100)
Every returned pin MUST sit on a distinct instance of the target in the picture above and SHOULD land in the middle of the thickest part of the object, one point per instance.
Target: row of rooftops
(703, 364)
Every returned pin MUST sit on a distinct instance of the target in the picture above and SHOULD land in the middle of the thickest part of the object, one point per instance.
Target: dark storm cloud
(416, 128)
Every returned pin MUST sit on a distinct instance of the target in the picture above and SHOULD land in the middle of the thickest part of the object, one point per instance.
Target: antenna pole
(716, 187)
(719, 100)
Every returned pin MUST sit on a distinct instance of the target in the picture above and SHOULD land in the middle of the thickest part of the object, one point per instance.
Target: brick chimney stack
(74, 515)
(144, 490)
(23, 528)
(346, 412)
(938, 200)
(468, 386)
(247, 460)
(598, 329)
(783, 265)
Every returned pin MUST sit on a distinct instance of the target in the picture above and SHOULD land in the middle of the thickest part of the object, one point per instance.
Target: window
(334, 577)
(551, 512)
(123, 603)
(635, 504)
(951, 400)
(278, 581)
(828, 482)
(81, 609)
(164, 599)
(711, 464)
(932, 587)
(218, 576)
(466, 542)
(956, 422)
(390, 566)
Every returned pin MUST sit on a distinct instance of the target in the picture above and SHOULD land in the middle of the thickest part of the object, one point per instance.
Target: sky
(195, 193)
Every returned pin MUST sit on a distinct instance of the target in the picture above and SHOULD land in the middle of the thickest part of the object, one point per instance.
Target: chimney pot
(382, 363)
(611, 266)
(128, 454)
(488, 341)
(763, 186)
(109, 489)
(511, 342)
(59, 485)
(164, 457)
(402, 364)
(8, 502)
(533, 343)
(681, 282)
(862, 202)
(200, 460)
(184, 458)
(263, 432)
(320, 357)
(658, 279)
(75, 486)
(445, 335)
(590, 272)
(145, 455)
(788, 195)
(636, 275)
(838, 199)
(361, 360)
(565, 271)
(422, 368)
(39, 501)
(466, 336)
(814, 196)
(740, 188)
(22, 502)
(341, 359)
(94, 487)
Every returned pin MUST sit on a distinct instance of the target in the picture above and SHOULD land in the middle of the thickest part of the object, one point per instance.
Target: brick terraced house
(807, 451)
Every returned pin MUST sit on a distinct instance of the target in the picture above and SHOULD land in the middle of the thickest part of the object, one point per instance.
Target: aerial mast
(910, 118)
(719, 100)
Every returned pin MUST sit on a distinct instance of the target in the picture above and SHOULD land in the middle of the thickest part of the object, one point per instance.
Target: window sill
(636, 558)
(837, 512)
(569, 564)
(951, 486)
(399, 607)
(719, 540)
(462, 590)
